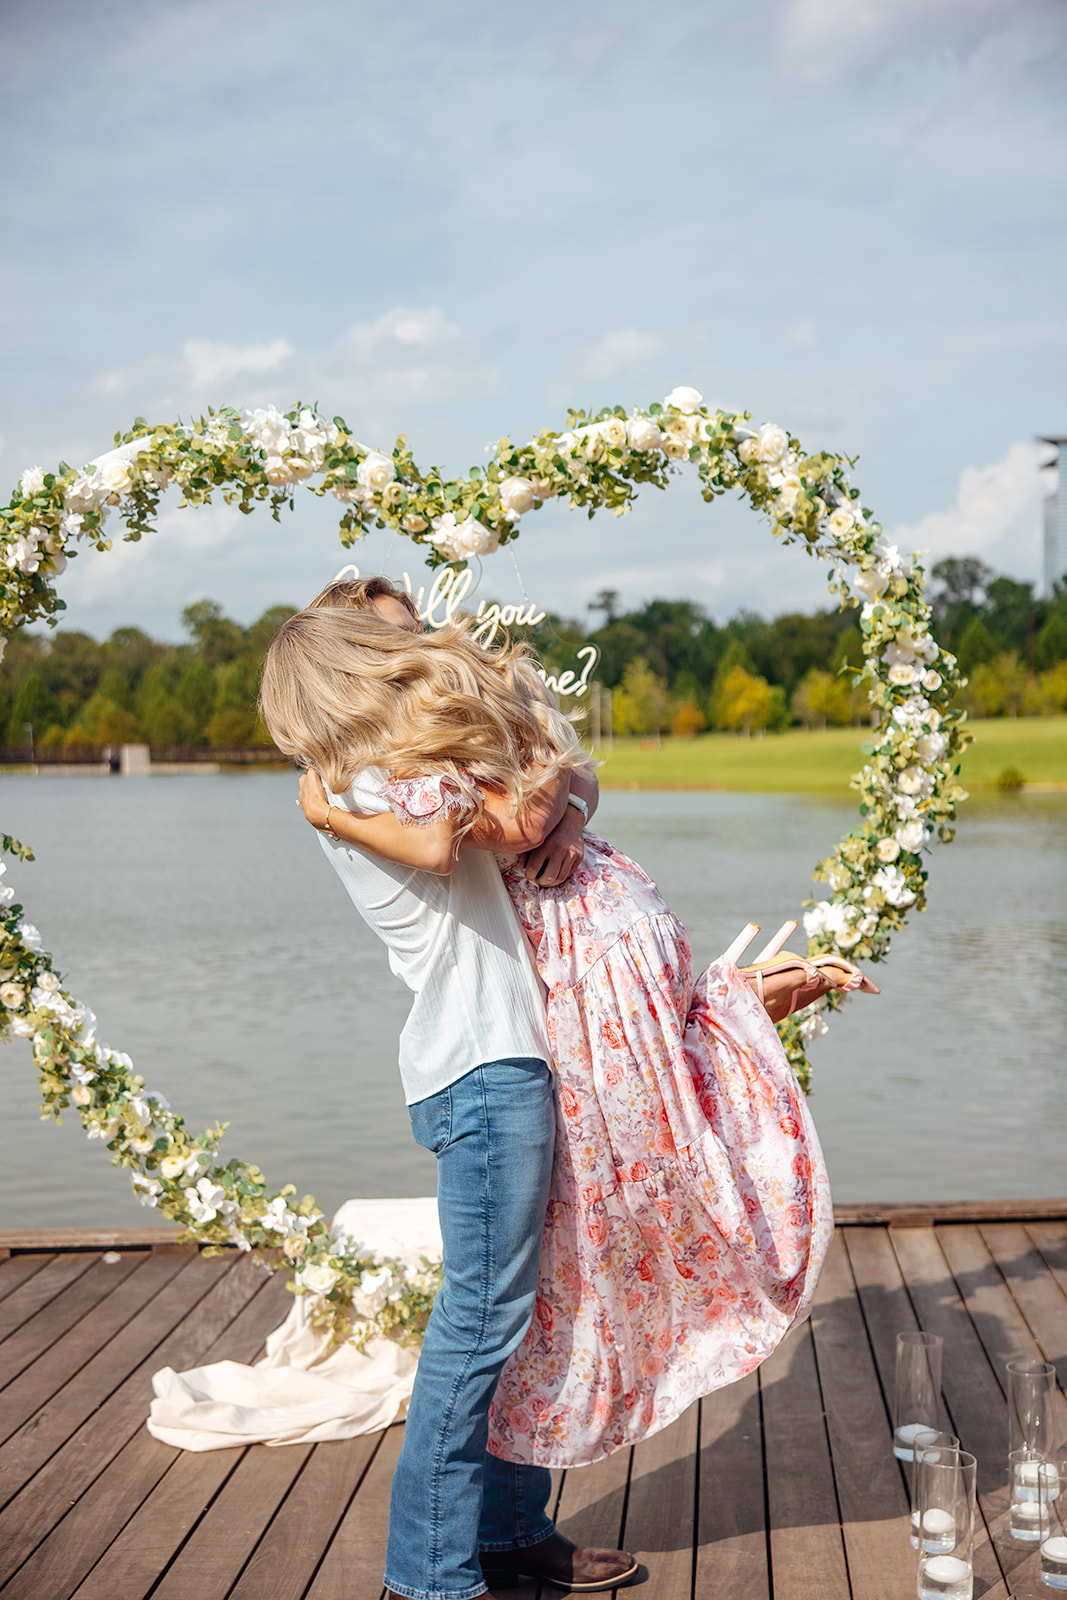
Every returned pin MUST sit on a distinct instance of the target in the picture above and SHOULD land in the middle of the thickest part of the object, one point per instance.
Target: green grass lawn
(800, 762)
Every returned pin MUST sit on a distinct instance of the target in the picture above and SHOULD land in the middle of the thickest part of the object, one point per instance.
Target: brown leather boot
(557, 1560)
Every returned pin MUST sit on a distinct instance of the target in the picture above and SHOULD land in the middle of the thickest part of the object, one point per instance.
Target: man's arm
(553, 861)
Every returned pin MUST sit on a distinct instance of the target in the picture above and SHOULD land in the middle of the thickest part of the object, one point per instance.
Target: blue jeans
(492, 1133)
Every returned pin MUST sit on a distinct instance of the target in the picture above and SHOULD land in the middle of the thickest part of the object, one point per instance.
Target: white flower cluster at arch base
(907, 786)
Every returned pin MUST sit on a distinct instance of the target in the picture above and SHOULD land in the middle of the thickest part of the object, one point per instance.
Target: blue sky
(453, 219)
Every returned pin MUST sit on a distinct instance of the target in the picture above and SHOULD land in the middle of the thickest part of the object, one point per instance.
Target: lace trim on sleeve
(420, 802)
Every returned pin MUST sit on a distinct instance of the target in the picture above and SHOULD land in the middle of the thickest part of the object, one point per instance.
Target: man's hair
(359, 594)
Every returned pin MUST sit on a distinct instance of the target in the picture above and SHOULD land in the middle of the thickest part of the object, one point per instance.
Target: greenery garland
(907, 787)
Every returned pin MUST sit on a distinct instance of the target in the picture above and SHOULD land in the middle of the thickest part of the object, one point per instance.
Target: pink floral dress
(689, 1213)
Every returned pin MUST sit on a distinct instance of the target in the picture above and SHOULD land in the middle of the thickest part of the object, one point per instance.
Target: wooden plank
(592, 1501)
(56, 1367)
(874, 1508)
(353, 1566)
(807, 1551)
(1035, 1291)
(1051, 1241)
(288, 1555)
(925, 1213)
(25, 1301)
(14, 1270)
(39, 1332)
(211, 1292)
(661, 1507)
(731, 1537)
(20, 1239)
(223, 1540)
(140, 1510)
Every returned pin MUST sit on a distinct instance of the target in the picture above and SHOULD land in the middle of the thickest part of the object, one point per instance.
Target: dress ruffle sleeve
(420, 802)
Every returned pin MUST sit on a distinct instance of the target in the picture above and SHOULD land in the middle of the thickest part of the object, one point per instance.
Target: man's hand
(559, 854)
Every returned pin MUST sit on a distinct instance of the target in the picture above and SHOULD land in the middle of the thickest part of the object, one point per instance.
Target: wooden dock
(782, 1487)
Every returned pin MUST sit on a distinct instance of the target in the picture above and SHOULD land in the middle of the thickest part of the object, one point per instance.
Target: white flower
(901, 674)
(172, 1166)
(684, 399)
(613, 431)
(894, 886)
(113, 474)
(103, 1130)
(373, 1292)
(11, 995)
(788, 491)
(643, 434)
(81, 1095)
(910, 780)
(461, 540)
(319, 1279)
(773, 442)
(840, 522)
(828, 916)
(31, 482)
(748, 450)
(847, 938)
(931, 747)
(376, 470)
(566, 443)
(47, 980)
(29, 935)
(887, 850)
(912, 836)
(145, 1143)
(812, 1025)
(517, 495)
(931, 680)
(80, 495)
(147, 1190)
(675, 446)
(276, 470)
(22, 1027)
(206, 1200)
(413, 523)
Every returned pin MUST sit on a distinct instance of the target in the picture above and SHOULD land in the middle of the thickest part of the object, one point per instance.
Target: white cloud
(824, 40)
(997, 515)
(399, 330)
(619, 351)
(212, 362)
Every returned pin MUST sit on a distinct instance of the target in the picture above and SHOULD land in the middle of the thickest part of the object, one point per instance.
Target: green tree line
(670, 667)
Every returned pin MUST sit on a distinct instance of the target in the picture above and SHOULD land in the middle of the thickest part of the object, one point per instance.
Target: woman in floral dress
(690, 1211)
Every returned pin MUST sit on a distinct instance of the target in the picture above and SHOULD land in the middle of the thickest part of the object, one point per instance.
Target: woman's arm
(432, 846)
(555, 859)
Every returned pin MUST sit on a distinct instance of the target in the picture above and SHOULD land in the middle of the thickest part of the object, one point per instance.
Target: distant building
(1054, 562)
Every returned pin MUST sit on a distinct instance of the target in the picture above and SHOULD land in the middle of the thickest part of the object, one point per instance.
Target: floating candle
(946, 1569)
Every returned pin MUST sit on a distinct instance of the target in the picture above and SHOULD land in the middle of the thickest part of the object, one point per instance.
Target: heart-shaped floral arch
(907, 786)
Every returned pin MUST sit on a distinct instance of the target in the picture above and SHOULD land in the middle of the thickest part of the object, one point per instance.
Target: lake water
(199, 920)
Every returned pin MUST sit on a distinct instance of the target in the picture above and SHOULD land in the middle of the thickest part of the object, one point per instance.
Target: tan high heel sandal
(814, 975)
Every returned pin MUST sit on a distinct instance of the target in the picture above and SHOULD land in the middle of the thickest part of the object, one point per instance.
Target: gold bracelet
(327, 830)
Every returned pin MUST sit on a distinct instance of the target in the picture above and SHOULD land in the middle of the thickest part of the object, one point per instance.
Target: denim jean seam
(524, 1543)
(436, 1594)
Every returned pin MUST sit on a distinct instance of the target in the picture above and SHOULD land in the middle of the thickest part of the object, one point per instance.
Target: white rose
(684, 399)
(643, 433)
(172, 1166)
(29, 935)
(413, 523)
(901, 674)
(114, 475)
(613, 431)
(910, 781)
(675, 447)
(47, 980)
(887, 850)
(911, 837)
(276, 470)
(376, 470)
(299, 467)
(773, 442)
(748, 450)
(787, 496)
(931, 680)
(319, 1279)
(931, 747)
(393, 495)
(11, 995)
(32, 481)
(82, 1096)
(840, 522)
(517, 494)
(847, 938)
(103, 1130)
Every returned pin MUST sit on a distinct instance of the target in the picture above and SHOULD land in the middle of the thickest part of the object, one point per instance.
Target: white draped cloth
(305, 1389)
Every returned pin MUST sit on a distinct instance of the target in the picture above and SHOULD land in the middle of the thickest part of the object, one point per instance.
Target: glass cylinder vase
(917, 1403)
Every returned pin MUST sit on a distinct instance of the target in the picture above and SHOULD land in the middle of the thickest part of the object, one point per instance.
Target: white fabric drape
(304, 1389)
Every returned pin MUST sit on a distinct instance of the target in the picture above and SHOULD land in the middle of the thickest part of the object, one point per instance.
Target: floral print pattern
(689, 1212)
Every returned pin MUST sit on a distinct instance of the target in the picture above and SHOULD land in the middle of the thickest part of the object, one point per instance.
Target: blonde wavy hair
(343, 690)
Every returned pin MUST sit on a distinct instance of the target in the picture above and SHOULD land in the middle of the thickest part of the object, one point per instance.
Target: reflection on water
(197, 917)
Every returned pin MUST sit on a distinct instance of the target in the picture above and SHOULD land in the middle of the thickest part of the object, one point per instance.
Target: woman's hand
(313, 801)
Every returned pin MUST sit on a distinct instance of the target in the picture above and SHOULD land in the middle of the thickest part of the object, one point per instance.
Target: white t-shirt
(457, 944)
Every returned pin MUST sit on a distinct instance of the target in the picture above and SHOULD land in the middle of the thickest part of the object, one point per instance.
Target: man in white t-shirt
(474, 1065)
